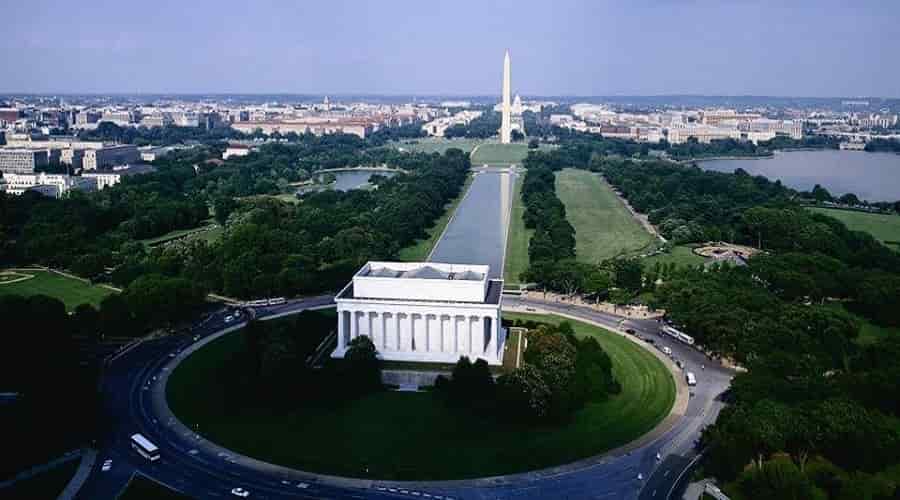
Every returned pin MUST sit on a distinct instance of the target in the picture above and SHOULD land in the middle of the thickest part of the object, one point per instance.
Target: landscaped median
(413, 435)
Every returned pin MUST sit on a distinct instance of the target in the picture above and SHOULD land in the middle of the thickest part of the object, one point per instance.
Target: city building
(22, 160)
(52, 185)
(313, 125)
(109, 178)
(423, 312)
(110, 156)
(156, 120)
(438, 126)
(236, 149)
(118, 117)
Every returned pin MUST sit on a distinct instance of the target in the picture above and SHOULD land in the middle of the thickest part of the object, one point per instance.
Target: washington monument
(505, 124)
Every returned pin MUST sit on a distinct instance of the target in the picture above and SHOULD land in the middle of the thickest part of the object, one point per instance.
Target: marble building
(423, 312)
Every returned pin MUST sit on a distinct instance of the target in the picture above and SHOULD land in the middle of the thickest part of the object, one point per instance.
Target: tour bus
(678, 335)
(691, 379)
(277, 301)
(144, 447)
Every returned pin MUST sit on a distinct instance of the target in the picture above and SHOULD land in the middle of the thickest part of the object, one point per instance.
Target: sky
(811, 48)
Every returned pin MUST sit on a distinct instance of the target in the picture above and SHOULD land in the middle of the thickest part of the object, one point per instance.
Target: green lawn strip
(69, 290)
(437, 144)
(179, 233)
(141, 488)
(399, 435)
(681, 255)
(493, 153)
(419, 251)
(883, 227)
(869, 332)
(604, 228)
(48, 484)
(517, 240)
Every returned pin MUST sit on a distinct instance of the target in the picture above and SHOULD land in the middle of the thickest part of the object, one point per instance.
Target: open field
(210, 231)
(69, 290)
(48, 484)
(604, 228)
(495, 153)
(517, 239)
(438, 144)
(412, 435)
(421, 248)
(884, 227)
(681, 255)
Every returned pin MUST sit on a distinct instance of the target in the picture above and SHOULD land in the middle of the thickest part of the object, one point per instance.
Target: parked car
(630, 331)
(240, 492)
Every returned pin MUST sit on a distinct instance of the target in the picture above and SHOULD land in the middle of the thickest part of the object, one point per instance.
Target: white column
(426, 321)
(412, 331)
(340, 331)
(492, 344)
(353, 326)
(397, 334)
(455, 322)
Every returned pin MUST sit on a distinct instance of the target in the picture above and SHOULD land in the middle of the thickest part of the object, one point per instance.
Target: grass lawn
(421, 248)
(209, 231)
(681, 255)
(495, 153)
(869, 332)
(47, 484)
(141, 488)
(884, 227)
(403, 435)
(517, 239)
(437, 144)
(69, 290)
(604, 228)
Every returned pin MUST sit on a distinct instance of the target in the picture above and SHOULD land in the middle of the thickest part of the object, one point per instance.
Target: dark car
(630, 331)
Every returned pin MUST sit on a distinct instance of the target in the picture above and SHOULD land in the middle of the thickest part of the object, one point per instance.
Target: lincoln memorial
(423, 312)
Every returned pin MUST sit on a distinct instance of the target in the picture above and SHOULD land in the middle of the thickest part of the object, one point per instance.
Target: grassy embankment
(604, 228)
(517, 239)
(141, 488)
(402, 435)
(70, 291)
(884, 227)
(48, 484)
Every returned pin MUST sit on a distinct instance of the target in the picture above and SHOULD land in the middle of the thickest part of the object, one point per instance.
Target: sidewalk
(81, 475)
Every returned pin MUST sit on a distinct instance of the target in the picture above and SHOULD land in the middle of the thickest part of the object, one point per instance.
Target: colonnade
(423, 336)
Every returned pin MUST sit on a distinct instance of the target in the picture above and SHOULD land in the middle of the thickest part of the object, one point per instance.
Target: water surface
(870, 176)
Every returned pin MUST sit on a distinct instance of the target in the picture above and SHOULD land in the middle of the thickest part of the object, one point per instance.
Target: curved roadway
(133, 386)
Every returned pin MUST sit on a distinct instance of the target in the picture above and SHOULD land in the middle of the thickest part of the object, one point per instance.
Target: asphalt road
(201, 469)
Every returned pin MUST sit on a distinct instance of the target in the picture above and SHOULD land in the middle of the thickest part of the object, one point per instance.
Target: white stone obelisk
(505, 123)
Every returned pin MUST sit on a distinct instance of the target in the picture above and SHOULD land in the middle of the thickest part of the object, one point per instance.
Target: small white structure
(423, 312)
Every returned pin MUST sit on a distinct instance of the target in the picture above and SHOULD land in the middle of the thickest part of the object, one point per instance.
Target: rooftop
(423, 272)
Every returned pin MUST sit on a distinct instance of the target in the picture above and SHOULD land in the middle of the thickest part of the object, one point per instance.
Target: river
(870, 176)
(477, 232)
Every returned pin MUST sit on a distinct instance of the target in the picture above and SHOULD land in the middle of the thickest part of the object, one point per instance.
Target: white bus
(275, 301)
(144, 447)
(678, 335)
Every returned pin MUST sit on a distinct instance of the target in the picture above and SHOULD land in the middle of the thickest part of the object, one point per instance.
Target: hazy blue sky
(807, 48)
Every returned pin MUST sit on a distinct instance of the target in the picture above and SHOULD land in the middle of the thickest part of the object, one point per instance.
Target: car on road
(690, 378)
(630, 331)
(229, 318)
(107, 464)
(530, 309)
(240, 492)
(679, 364)
(667, 351)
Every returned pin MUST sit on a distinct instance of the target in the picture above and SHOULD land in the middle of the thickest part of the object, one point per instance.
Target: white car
(229, 318)
(107, 464)
(240, 492)
(667, 351)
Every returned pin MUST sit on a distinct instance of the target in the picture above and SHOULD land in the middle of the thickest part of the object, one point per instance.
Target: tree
(523, 394)
(517, 136)
(627, 274)
(533, 144)
(362, 367)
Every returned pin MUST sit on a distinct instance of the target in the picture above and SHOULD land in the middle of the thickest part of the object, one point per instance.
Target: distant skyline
(648, 47)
